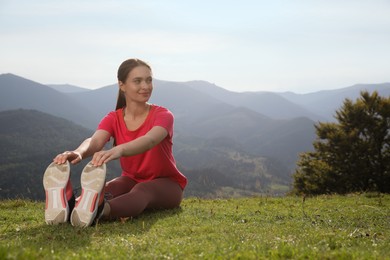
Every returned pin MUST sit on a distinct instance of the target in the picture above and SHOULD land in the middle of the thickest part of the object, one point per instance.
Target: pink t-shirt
(155, 163)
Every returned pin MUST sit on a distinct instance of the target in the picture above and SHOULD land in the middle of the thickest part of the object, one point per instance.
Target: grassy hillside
(327, 227)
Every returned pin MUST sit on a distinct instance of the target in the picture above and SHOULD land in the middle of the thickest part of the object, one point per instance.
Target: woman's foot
(55, 182)
(93, 180)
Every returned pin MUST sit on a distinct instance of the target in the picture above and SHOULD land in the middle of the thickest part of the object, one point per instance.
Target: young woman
(142, 135)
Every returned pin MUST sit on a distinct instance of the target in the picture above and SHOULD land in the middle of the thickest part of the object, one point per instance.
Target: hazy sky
(301, 46)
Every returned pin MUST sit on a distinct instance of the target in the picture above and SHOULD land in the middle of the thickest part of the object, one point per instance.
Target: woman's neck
(135, 110)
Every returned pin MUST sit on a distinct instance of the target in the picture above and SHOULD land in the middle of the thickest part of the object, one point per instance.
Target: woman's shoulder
(109, 120)
(114, 114)
(162, 113)
(160, 109)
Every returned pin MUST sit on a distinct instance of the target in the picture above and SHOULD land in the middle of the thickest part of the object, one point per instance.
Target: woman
(142, 135)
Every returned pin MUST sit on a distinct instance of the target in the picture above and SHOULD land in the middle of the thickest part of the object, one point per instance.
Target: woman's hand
(102, 157)
(72, 156)
(134, 147)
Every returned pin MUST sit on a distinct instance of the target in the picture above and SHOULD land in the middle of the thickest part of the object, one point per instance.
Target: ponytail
(121, 101)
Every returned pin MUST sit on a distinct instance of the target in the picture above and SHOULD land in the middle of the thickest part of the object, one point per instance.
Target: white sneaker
(55, 179)
(93, 180)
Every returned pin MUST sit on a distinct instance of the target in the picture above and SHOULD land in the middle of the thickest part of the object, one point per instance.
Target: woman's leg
(161, 193)
(118, 186)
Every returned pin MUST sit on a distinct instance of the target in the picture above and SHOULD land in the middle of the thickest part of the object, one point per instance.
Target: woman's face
(138, 86)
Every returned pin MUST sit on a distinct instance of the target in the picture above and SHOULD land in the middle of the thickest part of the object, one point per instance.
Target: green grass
(324, 227)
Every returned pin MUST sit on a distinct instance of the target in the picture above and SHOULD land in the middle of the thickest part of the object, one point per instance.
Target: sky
(248, 45)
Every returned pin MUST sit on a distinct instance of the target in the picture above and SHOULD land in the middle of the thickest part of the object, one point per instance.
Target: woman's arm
(137, 146)
(87, 148)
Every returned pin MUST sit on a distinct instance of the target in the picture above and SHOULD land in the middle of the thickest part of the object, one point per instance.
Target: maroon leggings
(129, 198)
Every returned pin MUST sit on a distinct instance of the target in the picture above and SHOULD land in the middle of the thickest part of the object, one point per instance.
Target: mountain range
(238, 135)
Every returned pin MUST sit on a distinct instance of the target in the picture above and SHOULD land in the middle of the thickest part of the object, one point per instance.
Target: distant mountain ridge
(18, 92)
(270, 104)
(66, 88)
(319, 105)
(29, 139)
(326, 102)
(212, 125)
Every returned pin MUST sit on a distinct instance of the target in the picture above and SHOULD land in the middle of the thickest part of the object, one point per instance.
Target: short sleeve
(164, 118)
(108, 123)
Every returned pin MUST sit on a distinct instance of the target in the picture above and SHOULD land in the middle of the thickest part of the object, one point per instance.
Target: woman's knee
(161, 193)
(119, 186)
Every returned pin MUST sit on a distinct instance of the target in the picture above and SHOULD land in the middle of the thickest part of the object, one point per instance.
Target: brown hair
(123, 71)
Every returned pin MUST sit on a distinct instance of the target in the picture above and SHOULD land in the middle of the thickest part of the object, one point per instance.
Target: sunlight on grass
(331, 227)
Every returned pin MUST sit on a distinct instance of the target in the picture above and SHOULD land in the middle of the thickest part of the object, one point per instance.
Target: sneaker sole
(55, 180)
(93, 180)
